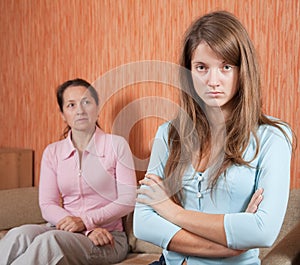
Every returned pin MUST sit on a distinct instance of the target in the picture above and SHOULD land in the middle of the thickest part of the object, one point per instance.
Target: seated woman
(87, 184)
(207, 163)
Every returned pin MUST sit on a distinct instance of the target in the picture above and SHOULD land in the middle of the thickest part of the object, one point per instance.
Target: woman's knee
(49, 235)
(57, 237)
(26, 231)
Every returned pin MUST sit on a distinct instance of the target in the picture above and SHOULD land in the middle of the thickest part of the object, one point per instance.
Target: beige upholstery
(20, 206)
(292, 219)
(285, 250)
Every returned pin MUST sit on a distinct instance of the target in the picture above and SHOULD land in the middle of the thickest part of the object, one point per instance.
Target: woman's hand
(101, 237)
(156, 196)
(71, 224)
(255, 201)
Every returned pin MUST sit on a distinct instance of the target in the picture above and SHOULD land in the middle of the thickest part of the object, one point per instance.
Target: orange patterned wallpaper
(44, 43)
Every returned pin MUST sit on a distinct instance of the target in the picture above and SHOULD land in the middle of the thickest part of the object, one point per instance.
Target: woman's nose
(213, 78)
(80, 109)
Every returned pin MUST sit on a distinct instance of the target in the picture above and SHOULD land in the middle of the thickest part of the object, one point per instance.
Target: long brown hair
(190, 132)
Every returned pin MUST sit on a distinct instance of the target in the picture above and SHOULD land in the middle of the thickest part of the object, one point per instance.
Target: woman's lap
(71, 248)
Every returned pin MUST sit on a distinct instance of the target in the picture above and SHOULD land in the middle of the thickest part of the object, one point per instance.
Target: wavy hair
(190, 132)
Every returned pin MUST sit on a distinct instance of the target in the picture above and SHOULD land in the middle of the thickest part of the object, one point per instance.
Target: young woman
(207, 163)
(87, 184)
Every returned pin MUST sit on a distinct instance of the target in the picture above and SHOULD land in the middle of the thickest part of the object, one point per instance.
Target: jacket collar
(95, 147)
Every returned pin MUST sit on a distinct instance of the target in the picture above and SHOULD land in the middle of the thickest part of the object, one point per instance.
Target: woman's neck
(81, 139)
(213, 151)
(216, 117)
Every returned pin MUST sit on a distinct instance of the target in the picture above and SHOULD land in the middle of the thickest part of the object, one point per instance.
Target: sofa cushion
(12, 205)
(286, 251)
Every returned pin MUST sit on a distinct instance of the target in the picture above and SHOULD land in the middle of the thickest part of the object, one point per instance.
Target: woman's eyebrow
(198, 62)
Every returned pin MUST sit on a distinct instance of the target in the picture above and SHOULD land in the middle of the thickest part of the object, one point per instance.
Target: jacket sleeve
(124, 186)
(147, 224)
(245, 230)
(49, 195)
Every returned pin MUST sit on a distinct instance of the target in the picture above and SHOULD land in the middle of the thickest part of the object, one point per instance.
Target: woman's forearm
(187, 243)
(207, 226)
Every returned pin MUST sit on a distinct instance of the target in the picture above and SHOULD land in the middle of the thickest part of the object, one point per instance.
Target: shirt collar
(68, 148)
(96, 145)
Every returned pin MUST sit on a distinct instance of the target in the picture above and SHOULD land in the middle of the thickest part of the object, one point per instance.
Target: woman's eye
(70, 105)
(201, 68)
(227, 67)
(86, 102)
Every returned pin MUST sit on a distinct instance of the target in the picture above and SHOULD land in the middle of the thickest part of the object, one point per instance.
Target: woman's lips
(214, 93)
(82, 119)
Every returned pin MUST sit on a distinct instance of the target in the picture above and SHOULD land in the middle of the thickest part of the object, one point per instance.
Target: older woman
(87, 184)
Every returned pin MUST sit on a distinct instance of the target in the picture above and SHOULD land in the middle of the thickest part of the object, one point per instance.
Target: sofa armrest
(286, 251)
(19, 206)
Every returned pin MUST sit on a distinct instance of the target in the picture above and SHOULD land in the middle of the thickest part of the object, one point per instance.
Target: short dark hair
(60, 96)
(74, 82)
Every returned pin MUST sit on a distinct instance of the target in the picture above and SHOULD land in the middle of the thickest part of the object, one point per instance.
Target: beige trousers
(43, 245)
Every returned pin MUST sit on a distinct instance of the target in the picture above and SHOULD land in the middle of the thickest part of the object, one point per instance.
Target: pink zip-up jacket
(100, 190)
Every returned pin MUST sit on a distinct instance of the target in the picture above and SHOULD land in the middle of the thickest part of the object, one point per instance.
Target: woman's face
(80, 110)
(215, 80)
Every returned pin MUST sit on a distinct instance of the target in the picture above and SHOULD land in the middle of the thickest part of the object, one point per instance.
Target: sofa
(20, 206)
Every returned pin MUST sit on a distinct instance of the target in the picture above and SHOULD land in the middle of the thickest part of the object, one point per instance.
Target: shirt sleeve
(246, 230)
(49, 195)
(147, 224)
(125, 186)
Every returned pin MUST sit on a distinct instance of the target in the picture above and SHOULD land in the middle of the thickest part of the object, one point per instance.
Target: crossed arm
(200, 234)
(188, 243)
(206, 238)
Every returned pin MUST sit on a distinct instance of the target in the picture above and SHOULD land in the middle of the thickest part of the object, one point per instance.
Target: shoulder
(103, 138)
(163, 130)
(57, 151)
(280, 132)
(107, 143)
(113, 139)
(57, 146)
(281, 128)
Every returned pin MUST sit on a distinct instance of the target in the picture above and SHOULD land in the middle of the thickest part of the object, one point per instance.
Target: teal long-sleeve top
(270, 170)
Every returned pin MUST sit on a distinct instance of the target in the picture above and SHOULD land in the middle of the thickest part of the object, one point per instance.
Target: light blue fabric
(270, 170)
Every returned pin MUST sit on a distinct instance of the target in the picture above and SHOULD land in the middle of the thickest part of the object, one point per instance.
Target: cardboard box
(16, 168)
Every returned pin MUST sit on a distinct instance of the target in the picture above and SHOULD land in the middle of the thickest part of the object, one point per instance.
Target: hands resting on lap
(99, 236)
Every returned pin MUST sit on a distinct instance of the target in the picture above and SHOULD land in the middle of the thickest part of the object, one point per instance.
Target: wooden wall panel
(44, 43)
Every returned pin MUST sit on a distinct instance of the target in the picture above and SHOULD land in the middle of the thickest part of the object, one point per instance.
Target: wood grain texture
(44, 43)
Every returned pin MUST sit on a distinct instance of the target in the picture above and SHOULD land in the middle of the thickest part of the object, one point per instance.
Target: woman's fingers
(153, 181)
(147, 192)
(101, 237)
(255, 201)
(147, 182)
(153, 191)
(156, 179)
